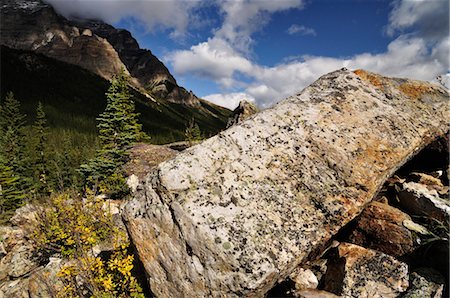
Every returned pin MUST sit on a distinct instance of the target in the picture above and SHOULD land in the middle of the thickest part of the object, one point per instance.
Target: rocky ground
(397, 246)
(297, 201)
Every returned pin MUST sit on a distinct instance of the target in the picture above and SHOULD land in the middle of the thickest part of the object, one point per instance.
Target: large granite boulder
(239, 212)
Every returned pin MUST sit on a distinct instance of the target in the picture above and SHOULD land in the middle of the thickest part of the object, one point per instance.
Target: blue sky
(264, 51)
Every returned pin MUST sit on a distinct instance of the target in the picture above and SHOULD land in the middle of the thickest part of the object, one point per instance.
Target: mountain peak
(91, 44)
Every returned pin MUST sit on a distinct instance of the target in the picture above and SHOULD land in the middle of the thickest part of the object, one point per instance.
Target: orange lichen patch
(416, 90)
(369, 77)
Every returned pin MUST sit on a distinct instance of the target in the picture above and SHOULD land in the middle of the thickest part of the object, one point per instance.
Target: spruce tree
(192, 133)
(40, 158)
(11, 196)
(118, 130)
(12, 134)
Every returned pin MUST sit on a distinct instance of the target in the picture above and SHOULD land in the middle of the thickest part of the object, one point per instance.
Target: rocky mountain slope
(96, 46)
(73, 97)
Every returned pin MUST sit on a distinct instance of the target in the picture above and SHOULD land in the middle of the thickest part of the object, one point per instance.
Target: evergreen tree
(12, 135)
(118, 125)
(40, 157)
(192, 132)
(118, 129)
(11, 197)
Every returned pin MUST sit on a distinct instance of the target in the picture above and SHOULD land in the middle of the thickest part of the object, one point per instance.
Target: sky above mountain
(264, 51)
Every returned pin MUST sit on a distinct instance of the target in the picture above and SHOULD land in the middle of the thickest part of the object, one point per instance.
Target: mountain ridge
(91, 44)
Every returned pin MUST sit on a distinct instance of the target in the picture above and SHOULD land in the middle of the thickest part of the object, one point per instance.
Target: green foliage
(40, 158)
(118, 129)
(69, 222)
(77, 97)
(11, 196)
(12, 134)
(192, 133)
(12, 156)
(72, 226)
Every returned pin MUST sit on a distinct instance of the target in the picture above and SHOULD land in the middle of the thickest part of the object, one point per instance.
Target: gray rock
(359, 272)
(425, 283)
(417, 199)
(17, 263)
(239, 212)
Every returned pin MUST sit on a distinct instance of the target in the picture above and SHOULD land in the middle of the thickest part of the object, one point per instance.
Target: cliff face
(150, 73)
(34, 25)
(93, 45)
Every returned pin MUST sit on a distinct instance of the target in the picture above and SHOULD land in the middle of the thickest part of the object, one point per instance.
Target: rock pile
(244, 210)
(385, 252)
(21, 274)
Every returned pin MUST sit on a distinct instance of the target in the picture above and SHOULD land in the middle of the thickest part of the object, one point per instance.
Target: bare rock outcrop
(243, 111)
(34, 25)
(239, 212)
(94, 45)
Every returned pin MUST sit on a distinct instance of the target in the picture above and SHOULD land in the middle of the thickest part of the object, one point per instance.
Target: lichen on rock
(239, 212)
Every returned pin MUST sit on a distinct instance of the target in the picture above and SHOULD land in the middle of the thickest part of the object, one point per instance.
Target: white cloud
(214, 59)
(174, 15)
(414, 55)
(302, 30)
(429, 17)
(244, 17)
(229, 100)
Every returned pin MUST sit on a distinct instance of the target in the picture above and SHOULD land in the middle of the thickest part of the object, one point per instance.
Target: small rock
(311, 293)
(133, 182)
(25, 217)
(425, 282)
(381, 227)
(412, 226)
(417, 199)
(359, 272)
(426, 179)
(304, 279)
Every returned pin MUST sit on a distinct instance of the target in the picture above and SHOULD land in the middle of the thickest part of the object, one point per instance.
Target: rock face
(149, 71)
(34, 25)
(235, 214)
(365, 273)
(382, 227)
(244, 110)
(93, 45)
(425, 283)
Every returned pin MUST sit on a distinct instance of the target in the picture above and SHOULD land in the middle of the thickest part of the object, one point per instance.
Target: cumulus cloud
(302, 30)
(214, 59)
(229, 100)
(243, 18)
(429, 18)
(415, 53)
(173, 15)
